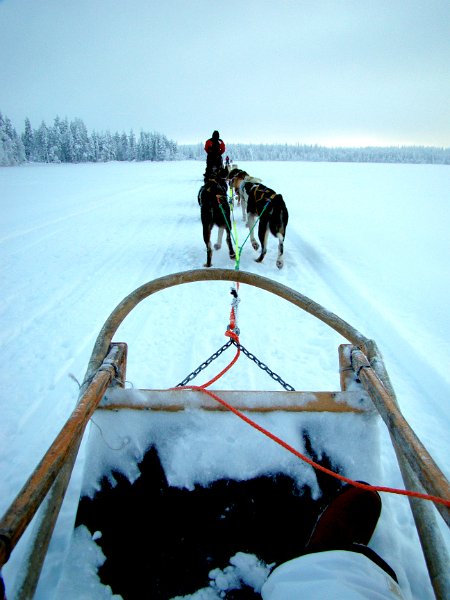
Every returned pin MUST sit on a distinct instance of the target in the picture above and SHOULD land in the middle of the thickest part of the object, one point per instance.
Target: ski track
(71, 216)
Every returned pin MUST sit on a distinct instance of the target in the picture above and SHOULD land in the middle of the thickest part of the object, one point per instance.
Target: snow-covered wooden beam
(356, 401)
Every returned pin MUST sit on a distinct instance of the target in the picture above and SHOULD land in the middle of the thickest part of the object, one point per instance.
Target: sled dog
(241, 200)
(263, 203)
(215, 210)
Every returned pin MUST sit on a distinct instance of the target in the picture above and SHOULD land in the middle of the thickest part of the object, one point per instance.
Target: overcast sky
(333, 72)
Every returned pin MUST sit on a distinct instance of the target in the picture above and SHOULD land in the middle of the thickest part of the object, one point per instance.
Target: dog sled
(163, 529)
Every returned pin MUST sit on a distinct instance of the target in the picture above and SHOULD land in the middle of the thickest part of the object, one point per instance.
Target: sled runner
(165, 527)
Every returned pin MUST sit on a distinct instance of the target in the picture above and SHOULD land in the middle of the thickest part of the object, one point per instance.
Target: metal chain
(249, 355)
(207, 362)
(264, 367)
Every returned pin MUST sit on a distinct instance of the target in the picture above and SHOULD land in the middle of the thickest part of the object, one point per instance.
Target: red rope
(202, 388)
(231, 333)
(313, 464)
(227, 368)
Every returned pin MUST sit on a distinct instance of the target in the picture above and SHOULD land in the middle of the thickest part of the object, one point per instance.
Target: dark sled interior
(161, 541)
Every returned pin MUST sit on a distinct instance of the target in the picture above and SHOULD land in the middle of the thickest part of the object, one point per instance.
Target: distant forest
(314, 153)
(70, 142)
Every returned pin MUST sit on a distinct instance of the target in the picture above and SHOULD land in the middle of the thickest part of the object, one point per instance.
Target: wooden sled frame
(360, 359)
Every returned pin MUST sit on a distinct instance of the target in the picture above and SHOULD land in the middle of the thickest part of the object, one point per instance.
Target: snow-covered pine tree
(12, 151)
(28, 140)
(81, 142)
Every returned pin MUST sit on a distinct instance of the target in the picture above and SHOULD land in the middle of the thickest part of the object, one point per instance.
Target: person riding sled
(214, 148)
(337, 562)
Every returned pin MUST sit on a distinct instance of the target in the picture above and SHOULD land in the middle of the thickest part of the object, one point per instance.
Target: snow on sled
(187, 489)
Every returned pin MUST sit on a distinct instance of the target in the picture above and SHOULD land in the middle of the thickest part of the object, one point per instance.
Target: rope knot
(234, 335)
(233, 329)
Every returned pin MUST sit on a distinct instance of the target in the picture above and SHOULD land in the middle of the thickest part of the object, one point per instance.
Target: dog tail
(199, 195)
(280, 216)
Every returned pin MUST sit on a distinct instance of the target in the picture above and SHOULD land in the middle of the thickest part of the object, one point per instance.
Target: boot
(348, 523)
(350, 518)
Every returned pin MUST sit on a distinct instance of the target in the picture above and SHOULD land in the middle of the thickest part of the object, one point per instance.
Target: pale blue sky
(334, 72)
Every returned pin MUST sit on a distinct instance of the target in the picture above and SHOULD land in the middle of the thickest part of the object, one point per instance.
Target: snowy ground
(368, 241)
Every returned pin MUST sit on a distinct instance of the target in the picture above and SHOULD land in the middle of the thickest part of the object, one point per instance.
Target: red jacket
(209, 147)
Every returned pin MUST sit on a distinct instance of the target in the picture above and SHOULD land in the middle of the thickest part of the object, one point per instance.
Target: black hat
(215, 134)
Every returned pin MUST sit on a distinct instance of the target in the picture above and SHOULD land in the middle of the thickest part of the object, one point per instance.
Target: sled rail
(106, 368)
(60, 454)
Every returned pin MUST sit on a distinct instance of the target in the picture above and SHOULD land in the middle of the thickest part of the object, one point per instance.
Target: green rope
(234, 236)
(238, 249)
(255, 223)
(226, 222)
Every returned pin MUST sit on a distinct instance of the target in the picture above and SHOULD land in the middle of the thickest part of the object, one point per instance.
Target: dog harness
(212, 189)
(261, 192)
(258, 194)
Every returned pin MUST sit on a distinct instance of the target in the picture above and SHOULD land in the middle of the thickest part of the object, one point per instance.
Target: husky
(263, 203)
(215, 210)
(240, 200)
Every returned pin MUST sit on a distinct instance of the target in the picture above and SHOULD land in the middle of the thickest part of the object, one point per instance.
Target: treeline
(70, 142)
(314, 153)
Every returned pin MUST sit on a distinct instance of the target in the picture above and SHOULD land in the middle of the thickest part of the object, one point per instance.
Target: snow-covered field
(368, 241)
